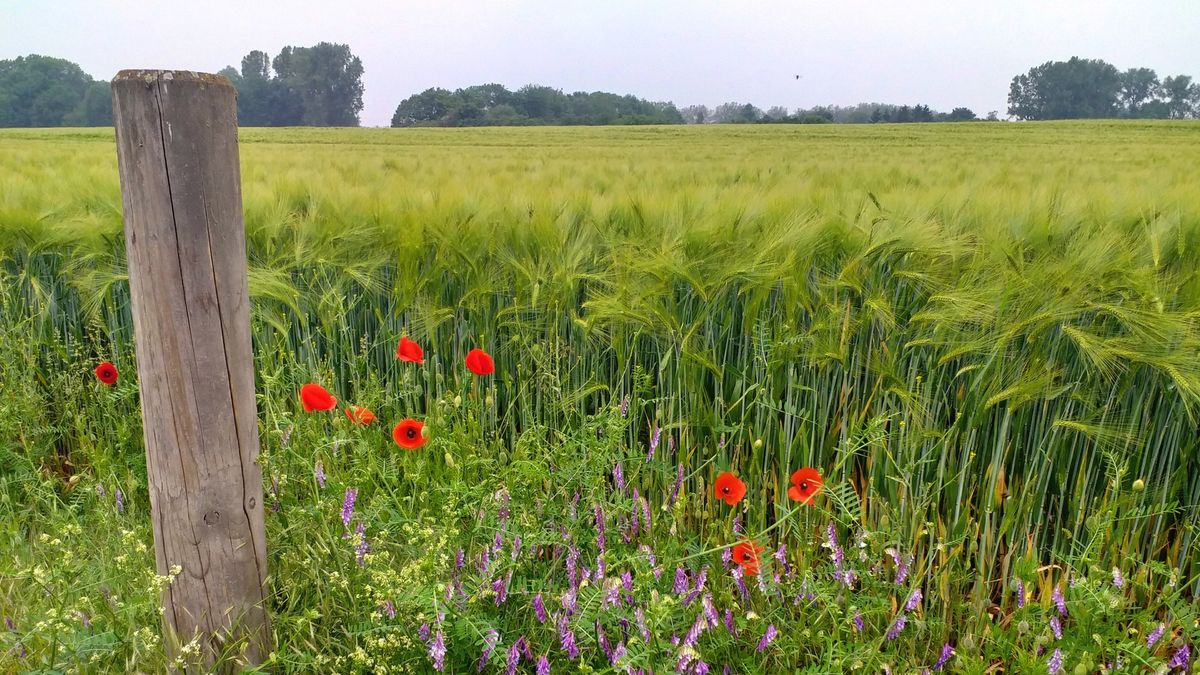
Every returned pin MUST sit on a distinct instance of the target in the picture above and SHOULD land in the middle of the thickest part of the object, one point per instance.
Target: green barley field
(984, 337)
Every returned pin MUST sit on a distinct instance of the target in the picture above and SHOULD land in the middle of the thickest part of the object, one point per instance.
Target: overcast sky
(944, 54)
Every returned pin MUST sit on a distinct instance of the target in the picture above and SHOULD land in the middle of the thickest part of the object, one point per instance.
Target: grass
(984, 336)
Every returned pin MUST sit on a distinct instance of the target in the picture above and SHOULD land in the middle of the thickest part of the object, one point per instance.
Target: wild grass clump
(984, 337)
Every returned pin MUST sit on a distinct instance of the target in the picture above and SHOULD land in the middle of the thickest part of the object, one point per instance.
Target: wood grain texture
(185, 240)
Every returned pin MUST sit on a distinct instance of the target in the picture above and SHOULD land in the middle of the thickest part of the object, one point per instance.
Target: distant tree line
(863, 113)
(495, 105)
(1091, 88)
(42, 91)
(319, 86)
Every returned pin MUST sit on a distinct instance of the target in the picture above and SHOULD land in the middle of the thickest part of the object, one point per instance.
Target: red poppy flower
(745, 554)
(729, 489)
(480, 362)
(106, 373)
(806, 483)
(409, 434)
(315, 397)
(360, 415)
(409, 351)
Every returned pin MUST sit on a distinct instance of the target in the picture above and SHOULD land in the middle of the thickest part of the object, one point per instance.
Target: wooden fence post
(186, 244)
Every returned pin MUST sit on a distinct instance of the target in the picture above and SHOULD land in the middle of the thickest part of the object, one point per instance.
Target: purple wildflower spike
(539, 608)
(741, 585)
(681, 581)
(1055, 663)
(319, 474)
(913, 600)
(1056, 627)
(599, 528)
(1155, 635)
(489, 645)
(767, 638)
(737, 524)
(897, 626)
(781, 557)
(120, 501)
(100, 490)
(543, 665)
(437, 652)
(710, 612)
(516, 547)
(1118, 580)
(570, 601)
(654, 442)
(947, 652)
(729, 622)
(726, 557)
(619, 476)
(858, 620)
(645, 513)
(572, 569)
(1020, 593)
(361, 548)
(1059, 602)
(459, 559)
(677, 486)
(1181, 658)
(618, 653)
(348, 505)
(640, 617)
(423, 632)
(389, 608)
(625, 405)
(514, 658)
(602, 640)
(693, 635)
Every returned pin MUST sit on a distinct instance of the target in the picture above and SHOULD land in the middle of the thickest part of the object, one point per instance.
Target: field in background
(981, 334)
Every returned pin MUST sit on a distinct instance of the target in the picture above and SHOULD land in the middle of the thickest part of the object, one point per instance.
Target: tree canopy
(302, 86)
(495, 105)
(1091, 88)
(42, 91)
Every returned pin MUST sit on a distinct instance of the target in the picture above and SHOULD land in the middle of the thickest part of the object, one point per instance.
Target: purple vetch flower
(619, 476)
(1055, 663)
(572, 569)
(599, 528)
(389, 608)
(437, 652)
(897, 626)
(902, 562)
(489, 645)
(835, 549)
(601, 568)
(741, 585)
(625, 405)
(602, 640)
(654, 442)
(947, 652)
(100, 490)
(1181, 658)
(319, 474)
(485, 560)
(627, 581)
(645, 513)
(360, 549)
(348, 506)
(539, 608)
(618, 653)
(543, 665)
(516, 547)
(502, 497)
(710, 612)
(701, 578)
(701, 668)
(640, 617)
(781, 556)
(1118, 580)
(767, 638)
(858, 621)
(913, 600)
(737, 524)
(570, 602)
(693, 635)
(1155, 635)
(681, 581)
(574, 506)
(120, 501)
(459, 559)
(423, 632)
(514, 657)
(1056, 627)
(677, 486)
(1020, 593)
(727, 557)
(612, 593)
(729, 622)
(500, 586)
(1059, 602)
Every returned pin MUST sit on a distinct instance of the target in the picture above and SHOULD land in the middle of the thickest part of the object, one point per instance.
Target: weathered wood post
(186, 243)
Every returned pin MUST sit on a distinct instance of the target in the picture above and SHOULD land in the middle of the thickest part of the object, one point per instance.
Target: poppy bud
(457, 401)
(450, 460)
(758, 443)
(1139, 485)
(488, 401)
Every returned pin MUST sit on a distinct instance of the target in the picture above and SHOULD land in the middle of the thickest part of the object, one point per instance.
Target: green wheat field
(984, 337)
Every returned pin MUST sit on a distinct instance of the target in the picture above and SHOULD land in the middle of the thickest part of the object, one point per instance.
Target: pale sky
(943, 54)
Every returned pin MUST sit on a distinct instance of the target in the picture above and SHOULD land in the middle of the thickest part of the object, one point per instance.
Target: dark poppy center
(804, 486)
(725, 489)
(410, 432)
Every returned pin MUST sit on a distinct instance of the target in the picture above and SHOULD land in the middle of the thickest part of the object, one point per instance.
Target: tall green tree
(1077, 88)
(42, 91)
(327, 79)
(1139, 86)
(1181, 96)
